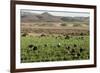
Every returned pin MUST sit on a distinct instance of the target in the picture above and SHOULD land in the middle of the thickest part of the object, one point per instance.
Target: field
(42, 44)
(54, 36)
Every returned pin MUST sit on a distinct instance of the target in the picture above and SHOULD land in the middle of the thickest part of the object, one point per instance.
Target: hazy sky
(59, 13)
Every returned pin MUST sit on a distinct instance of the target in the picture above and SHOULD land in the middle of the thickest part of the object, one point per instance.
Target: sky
(59, 13)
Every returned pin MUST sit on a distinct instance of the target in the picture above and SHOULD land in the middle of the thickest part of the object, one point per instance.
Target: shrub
(67, 37)
(42, 35)
(76, 25)
(63, 24)
(24, 34)
(81, 34)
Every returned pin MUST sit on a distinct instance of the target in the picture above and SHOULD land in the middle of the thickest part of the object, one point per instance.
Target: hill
(47, 17)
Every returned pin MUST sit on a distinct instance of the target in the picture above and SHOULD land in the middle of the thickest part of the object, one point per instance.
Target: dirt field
(56, 30)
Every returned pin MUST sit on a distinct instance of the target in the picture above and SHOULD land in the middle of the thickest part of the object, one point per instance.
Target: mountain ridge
(47, 17)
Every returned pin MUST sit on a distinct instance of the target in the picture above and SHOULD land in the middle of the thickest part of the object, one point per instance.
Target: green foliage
(24, 34)
(63, 24)
(47, 49)
(76, 25)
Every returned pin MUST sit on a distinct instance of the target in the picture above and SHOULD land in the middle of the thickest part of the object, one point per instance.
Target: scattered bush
(42, 35)
(35, 48)
(76, 25)
(81, 34)
(81, 49)
(67, 37)
(63, 24)
(75, 45)
(24, 34)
